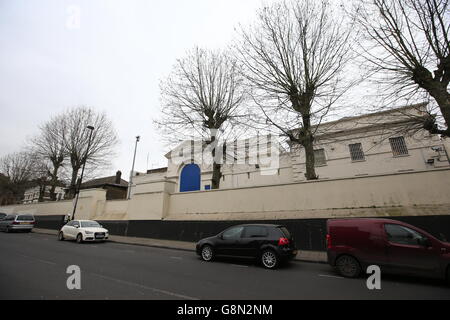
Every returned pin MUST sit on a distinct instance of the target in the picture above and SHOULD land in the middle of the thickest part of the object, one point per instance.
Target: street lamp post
(91, 128)
(132, 168)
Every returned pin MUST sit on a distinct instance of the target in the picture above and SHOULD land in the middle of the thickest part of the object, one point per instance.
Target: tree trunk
(307, 141)
(52, 192)
(217, 175)
(310, 160)
(438, 90)
(73, 183)
(42, 188)
(442, 98)
(53, 182)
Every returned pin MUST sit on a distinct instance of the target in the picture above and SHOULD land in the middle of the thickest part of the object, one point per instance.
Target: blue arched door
(190, 178)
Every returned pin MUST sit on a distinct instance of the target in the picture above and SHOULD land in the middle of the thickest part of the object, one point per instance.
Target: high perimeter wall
(418, 193)
(156, 210)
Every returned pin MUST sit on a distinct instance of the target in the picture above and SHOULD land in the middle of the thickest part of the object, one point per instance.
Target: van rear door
(362, 238)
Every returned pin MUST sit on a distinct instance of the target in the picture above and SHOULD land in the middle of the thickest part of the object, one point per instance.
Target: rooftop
(104, 181)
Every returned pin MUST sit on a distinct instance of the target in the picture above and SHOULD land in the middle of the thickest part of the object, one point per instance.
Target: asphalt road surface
(33, 266)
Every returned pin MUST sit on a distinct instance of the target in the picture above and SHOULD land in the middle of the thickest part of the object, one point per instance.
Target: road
(33, 266)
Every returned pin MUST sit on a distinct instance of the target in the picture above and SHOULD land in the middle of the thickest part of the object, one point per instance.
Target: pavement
(307, 256)
(37, 266)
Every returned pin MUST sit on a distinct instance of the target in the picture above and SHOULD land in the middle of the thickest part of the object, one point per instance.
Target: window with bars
(269, 148)
(319, 157)
(356, 152)
(247, 151)
(398, 146)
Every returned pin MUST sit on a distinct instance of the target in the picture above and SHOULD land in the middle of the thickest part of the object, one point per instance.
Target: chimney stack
(118, 177)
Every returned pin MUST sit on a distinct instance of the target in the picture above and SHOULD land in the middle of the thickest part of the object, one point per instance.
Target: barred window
(269, 148)
(247, 151)
(398, 146)
(319, 157)
(356, 151)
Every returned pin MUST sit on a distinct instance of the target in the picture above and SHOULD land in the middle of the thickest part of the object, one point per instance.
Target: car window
(232, 233)
(25, 218)
(76, 224)
(402, 235)
(90, 224)
(10, 217)
(285, 232)
(255, 232)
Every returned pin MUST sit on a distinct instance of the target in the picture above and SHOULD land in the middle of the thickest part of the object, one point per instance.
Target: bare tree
(407, 48)
(294, 59)
(76, 139)
(17, 170)
(202, 97)
(6, 194)
(18, 167)
(50, 149)
(40, 175)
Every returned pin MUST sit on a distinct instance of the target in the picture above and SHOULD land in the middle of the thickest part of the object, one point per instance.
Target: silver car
(17, 222)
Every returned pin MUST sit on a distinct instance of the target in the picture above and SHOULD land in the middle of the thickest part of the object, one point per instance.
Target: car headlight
(89, 232)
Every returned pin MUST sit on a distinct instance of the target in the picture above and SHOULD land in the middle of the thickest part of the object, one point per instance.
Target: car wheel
(348, 266)
(207, 253)
(79, 238)
(7, 230)
(269, 259)
(61, 236)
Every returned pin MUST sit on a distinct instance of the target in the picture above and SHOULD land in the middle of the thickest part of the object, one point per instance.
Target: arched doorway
(190, 178)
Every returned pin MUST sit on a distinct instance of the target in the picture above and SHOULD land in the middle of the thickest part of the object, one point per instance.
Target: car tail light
(15, 222)
(283, 241)
(328, 241)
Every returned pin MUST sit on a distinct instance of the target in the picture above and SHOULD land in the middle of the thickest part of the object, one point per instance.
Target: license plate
(24, 223)
(99, 236)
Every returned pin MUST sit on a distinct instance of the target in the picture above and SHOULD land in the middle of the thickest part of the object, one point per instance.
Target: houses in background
(116, 189)
(39, 194)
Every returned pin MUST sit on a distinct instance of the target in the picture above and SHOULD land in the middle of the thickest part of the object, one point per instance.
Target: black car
(2, 215)
(270, 244)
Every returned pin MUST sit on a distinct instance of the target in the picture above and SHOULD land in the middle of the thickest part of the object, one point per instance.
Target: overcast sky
(111, 58)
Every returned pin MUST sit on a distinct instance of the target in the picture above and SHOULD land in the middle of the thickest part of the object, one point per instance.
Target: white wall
(417, 193)
(405, 194)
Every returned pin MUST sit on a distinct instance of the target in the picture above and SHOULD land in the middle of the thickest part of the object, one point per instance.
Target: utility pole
(91, 128)
(132, 168)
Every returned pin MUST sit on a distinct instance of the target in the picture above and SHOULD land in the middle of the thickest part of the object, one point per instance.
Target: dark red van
(396, 247)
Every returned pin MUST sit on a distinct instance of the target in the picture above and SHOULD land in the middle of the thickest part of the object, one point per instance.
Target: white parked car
(83, 230)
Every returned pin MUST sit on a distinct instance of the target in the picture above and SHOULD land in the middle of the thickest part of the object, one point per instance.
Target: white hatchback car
(83, 230)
